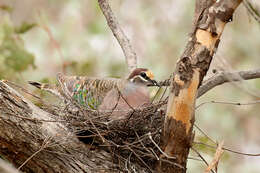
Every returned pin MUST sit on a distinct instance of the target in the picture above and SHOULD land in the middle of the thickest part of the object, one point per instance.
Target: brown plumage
(101, 93)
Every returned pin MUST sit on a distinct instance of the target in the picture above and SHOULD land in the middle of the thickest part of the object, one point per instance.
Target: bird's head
(142, 76)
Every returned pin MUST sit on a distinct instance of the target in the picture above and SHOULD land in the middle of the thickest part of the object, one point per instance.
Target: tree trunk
(177, 137)
(37, 140)
(34, 138)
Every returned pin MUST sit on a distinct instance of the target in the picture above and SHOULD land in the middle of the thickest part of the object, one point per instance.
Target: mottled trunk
(209, 21)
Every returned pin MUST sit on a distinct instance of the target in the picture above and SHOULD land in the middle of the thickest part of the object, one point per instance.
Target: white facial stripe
(143, 79)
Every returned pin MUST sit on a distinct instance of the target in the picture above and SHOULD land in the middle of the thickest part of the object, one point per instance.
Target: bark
(35, 139)
(209, 22)
(130, 55)
(220, 78)
(223, 77)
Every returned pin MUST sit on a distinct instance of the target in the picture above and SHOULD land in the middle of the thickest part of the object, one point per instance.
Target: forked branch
(130, 55)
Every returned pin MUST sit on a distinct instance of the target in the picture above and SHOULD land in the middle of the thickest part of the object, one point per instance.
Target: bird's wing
(86, 91)
(121, 101)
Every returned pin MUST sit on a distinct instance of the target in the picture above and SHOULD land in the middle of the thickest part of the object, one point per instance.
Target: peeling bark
(209, 22)
(36, 141)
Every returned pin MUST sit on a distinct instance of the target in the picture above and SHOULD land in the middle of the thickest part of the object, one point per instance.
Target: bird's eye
(143, 74)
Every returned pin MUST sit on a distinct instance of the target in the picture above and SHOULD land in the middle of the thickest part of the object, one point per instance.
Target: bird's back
(87, 91)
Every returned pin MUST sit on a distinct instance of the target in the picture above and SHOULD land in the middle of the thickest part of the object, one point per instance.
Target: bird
(104, 93)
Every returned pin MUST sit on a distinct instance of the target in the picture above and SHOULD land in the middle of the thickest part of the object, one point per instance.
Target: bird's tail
(47, 87)
(36, 84)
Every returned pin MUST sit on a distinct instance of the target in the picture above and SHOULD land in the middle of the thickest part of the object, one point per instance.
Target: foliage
(14, 58)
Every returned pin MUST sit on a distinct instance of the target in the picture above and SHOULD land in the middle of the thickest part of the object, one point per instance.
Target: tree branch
(252, 11)
(130, 55)
(224, 77)
(22, 135)
(221, 78)
(218, 154)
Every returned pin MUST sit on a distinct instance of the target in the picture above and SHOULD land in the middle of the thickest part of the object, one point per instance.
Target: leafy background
(43, 37)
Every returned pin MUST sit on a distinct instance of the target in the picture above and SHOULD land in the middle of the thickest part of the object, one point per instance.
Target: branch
(229, 150)
(209, 21)
(252, 11)
(221, 78)
(23, 139)
(214, 163)
(129, 53)
(224, 77)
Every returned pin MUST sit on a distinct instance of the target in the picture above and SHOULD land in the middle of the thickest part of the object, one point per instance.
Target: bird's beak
(153, 83)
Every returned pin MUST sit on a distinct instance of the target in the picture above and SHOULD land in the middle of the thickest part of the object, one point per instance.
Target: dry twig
(224, 77)
(202, 158)
(130, 55)
(214, 164)
(252, 11)
(229, 103)
(229, 150)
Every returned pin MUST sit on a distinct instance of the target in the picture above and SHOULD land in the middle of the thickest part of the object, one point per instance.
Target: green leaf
(19, 60)
(24, 27)
(13, 55)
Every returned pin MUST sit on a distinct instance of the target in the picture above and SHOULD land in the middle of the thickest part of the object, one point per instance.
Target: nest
(133, 139)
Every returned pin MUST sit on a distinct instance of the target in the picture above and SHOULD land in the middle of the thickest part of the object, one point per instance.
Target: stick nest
(133, 139)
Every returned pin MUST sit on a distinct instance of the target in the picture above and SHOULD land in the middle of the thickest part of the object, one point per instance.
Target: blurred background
(43, 37)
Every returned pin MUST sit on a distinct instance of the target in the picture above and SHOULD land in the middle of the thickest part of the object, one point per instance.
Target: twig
(139, 158)
(133, 110)
(145, 146)
(44, 144)
(202, 158)
(224, 148)
(157, 92)
(214, 163)
(118, 98)
(120, 94)
(229, 150)
(251, 10)
(194, 158)
(167, 156)
(85, 112)
(224, 77)
(229, 103)
(204, 133)
(130, 55)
